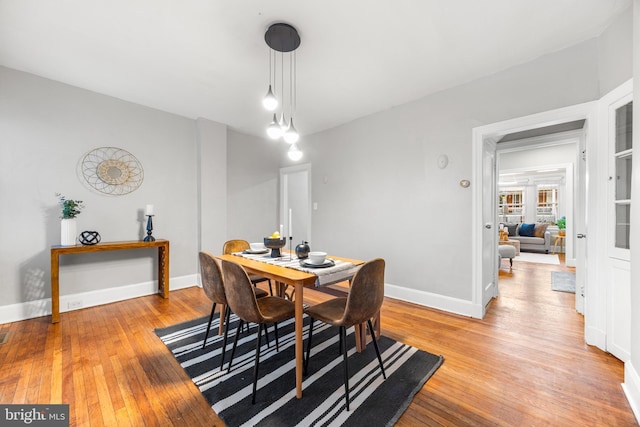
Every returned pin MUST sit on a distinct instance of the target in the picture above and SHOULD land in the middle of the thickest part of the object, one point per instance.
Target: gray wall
(253, 170)
(614, 53)
(45, 130)
(379, 189)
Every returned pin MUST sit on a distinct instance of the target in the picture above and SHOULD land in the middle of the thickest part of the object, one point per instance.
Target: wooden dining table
(298, 280)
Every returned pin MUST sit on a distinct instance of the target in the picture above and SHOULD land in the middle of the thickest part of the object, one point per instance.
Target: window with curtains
(511, 205)
(547, 207)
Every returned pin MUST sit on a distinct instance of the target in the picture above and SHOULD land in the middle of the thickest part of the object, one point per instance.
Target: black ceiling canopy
(282, 37)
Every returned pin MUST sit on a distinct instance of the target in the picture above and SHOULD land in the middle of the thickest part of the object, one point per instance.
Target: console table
(56, 251)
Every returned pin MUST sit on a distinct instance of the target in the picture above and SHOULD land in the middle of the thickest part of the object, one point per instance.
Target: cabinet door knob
(581, 236)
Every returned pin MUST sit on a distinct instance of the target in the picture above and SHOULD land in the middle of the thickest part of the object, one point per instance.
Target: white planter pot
(68, 232)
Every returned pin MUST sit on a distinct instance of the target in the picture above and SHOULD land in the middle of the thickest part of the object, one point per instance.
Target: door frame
(492, 133)
(284, 195)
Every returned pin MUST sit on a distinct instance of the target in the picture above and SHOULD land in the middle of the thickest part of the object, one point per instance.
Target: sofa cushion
(526, 230)
(512, 228)
(539, 229)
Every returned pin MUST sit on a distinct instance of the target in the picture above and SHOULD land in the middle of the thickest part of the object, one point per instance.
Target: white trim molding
(42, 307)
(431, 300)
(631, 388)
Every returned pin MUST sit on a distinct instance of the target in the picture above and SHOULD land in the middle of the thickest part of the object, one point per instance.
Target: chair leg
(340, 345)
(375, 345)
(235, 343)
(306, 359)
(510, 262)
(275, 330)
(266, 334)
(226, 334)
(206, 335)
(256, 364)
(343, 335)
(270, 288)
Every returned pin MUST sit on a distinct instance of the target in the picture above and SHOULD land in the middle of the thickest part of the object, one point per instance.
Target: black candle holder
(149, 237)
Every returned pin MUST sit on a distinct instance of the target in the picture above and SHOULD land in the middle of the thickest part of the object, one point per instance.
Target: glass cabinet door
(622, 174)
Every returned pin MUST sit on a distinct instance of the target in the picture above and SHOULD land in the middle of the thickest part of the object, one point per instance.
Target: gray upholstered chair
(242, 299)
(214, 289)
(238, 245)
(364, 301)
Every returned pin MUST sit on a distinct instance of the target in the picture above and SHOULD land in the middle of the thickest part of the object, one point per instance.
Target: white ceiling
(208, 58)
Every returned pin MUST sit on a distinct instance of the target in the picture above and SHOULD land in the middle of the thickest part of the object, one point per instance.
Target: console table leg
(163, 270)
(55, 288)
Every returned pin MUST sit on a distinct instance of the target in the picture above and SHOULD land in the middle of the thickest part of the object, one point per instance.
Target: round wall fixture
(112, 170)
(465, 183)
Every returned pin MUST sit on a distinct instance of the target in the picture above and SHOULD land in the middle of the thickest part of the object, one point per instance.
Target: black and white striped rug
(374, 400)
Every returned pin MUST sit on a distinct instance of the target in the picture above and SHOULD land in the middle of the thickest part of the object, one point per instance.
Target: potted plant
(70, 210)
(562, 225)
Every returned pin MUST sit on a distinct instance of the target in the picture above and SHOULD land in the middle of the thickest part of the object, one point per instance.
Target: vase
(68, 232)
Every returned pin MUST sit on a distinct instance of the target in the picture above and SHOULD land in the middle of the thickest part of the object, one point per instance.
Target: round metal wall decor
(112, 170)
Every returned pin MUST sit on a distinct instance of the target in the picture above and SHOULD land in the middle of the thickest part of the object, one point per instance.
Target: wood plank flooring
(526, 363)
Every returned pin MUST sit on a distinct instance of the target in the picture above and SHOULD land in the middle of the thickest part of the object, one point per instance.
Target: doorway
(486, 136)
(295, 202)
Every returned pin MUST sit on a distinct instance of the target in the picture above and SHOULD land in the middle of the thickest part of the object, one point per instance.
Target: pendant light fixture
(282, 38)
(294, 153)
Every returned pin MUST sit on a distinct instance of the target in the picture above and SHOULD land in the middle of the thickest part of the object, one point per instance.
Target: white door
(617, 111)
(580, 217)
(489, 233)
(295, 198)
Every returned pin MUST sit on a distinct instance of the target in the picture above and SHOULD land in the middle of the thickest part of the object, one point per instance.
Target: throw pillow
(512, 229)
(526, 230)
(539, 229)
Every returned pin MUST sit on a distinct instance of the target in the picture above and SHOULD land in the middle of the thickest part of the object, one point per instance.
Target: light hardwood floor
(526, 363)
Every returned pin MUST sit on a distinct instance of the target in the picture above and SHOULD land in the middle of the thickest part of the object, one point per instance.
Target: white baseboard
(42, 307)
(596, 337)
(631, 387)
(440, 302)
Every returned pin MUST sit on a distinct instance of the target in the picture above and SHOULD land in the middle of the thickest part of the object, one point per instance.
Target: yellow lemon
(275, 235)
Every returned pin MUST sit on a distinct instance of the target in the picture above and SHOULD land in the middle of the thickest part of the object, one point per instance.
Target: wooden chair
(214, 289)
(242, 299)
(364, 301)
(237, 245)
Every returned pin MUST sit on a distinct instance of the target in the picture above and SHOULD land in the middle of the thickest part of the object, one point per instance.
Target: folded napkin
(341, 271)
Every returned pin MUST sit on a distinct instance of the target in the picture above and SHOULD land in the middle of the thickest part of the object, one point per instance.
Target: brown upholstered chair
(213, 286)
(237, 245)
(363, 302)
(241, 297)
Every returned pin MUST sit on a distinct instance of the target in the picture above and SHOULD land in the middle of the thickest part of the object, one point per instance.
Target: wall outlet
(73, 305)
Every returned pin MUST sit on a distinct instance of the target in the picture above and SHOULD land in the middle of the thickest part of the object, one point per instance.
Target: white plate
(249, 251)
(327, 263)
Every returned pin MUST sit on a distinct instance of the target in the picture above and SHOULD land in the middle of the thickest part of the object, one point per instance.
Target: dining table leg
(299, 326)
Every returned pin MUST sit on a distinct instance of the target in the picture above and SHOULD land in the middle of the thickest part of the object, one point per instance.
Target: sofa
(532, 237)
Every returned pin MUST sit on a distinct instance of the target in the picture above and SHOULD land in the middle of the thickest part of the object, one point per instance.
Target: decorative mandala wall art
(112, 170)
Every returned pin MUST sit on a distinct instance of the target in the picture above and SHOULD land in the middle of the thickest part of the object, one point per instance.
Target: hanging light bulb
(274, 130)
(270, 102)
(291, 135)
(294, 153)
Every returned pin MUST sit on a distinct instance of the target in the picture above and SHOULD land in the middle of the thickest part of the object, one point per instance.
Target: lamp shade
(274, 130)
(270, 102)
(294, 153)
(291, 134)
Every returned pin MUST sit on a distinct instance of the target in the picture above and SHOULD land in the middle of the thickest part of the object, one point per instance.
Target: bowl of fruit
(275, 242)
